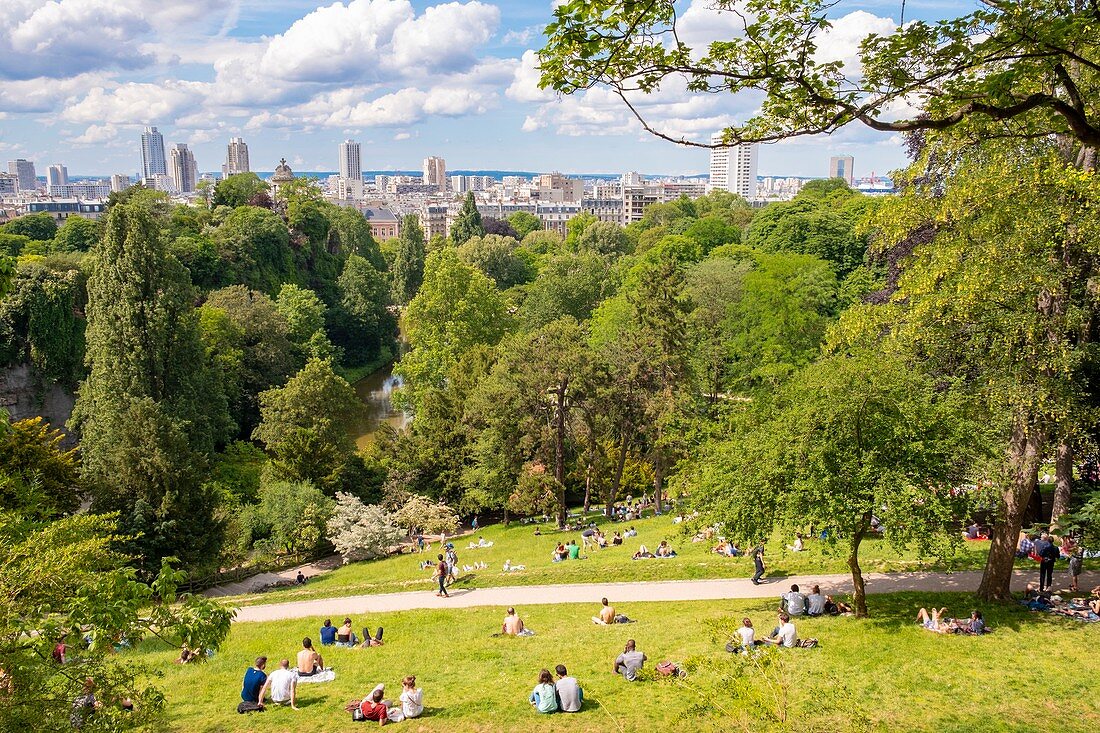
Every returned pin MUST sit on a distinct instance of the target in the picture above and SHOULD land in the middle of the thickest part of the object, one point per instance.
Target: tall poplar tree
(150, 410)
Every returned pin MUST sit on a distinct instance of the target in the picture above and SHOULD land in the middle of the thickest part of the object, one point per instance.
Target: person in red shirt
(372, 707)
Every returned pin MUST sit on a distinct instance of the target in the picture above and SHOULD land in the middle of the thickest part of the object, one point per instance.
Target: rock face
(23, 397)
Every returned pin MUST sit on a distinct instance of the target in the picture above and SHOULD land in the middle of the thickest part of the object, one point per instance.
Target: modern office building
(435, 173)
(120, 182)
(56, 175)
(153, 162)
(733, 168)
(24, 169)
(840, 166)
(350, 164)
(236, 158)
(183, 170)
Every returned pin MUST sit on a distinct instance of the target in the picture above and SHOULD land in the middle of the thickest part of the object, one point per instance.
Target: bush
(362, 532)
(290, 519)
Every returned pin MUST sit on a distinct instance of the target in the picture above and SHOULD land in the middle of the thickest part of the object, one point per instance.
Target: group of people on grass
(939, 622)
(375, 707)
(663, 550)
(1083, 609)
(1042, 549)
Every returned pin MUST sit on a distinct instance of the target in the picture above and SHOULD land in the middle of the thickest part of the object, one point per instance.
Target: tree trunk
(1063, 483)
(1024, 452)
(859, 590)
(658, 481)
(559, 451)
(587, 489)
(617, 477)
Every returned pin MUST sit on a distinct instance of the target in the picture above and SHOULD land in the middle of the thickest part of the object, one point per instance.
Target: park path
(618, 593)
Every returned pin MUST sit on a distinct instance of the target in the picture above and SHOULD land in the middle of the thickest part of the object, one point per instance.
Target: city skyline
(405, 79)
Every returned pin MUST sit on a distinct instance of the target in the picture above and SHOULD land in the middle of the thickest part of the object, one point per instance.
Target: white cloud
(96, 135)
(41, 94)
(525, 81)
(841, 41)
(137, 103)
(401, 136)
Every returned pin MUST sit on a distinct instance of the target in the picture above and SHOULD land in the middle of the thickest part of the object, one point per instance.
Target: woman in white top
(748, 635)
(412, 698)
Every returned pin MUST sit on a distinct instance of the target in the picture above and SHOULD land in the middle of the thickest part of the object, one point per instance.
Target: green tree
(65, 580)
(468, 222)
(39, 227)
(543, 241)
(238, 190)
(575, 227)
(495, 255)
(811, 225)
(362, 324)
(304, 314)
(456, 308)
(255, 341)
(290, 519)
(306, 424)
(38, 478)
(407, 272)
(568, 285)
(849, 438)
(12, 244)
(1025, 65)
(77, 234)
(351, 235)
(603, 238)
(255, 245)
(150, 410)
(524, 223)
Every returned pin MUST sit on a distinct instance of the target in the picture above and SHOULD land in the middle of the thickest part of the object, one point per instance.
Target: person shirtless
(309, 661)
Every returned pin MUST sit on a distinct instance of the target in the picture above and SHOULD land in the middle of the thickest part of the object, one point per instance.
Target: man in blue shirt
(328, 633)
(254, 680)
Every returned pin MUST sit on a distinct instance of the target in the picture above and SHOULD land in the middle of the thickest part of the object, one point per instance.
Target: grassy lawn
(695, 560)
(884, 674)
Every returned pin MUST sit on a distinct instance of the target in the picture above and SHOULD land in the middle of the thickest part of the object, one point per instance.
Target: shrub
(360, 531)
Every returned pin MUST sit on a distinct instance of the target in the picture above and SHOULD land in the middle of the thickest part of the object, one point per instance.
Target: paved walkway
(671, 590)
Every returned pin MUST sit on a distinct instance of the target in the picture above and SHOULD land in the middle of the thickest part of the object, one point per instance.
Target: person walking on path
(758, 562)
(441, 574)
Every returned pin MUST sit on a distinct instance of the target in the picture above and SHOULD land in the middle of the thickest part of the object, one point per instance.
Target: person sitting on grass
(412, 698)
(560, 553)
(815, 602)
(1025, 546)
(798, 545)
(934, 620)
(643, 553)
(283, 685)
(373, 707)
(631, 532)
(328, 633)
(616, 539)
(607, 615)
(254, 679)
(785, 635)
(574, 550)
(513, 625)
(345, 637)
(834, 607)
(309, 661)
(629, 662)
(85, 705)
(545, 696)
(793, 602)
(570, 694)
(977, 626)
(745, 638)
(665, 550)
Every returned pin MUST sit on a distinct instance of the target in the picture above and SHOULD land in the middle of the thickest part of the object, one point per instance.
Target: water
(376, 391)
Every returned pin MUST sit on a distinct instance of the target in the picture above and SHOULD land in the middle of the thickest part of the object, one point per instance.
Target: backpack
(357, 715)
(669, 669)
(807, 643)
(248, 707)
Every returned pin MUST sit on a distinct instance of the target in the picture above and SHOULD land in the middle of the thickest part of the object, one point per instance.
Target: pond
(376, 392)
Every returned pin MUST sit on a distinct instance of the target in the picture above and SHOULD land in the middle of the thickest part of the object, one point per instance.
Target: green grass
(694, 561)
(1036, 672)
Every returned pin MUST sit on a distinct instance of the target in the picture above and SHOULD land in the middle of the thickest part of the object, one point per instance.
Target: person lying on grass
(665, 550)
(643, 553)
(545, 696)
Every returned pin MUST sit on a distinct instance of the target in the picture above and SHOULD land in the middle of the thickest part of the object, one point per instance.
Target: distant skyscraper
(350, 165)
(733, 169)
(153, 162)
(57, 175)
(120, 182)
(435, 173)
(236, 158)
(28, 179)
(840, 166)
(183, 170)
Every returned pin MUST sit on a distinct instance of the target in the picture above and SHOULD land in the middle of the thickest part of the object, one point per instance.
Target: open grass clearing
(884, 673)
(694, 561)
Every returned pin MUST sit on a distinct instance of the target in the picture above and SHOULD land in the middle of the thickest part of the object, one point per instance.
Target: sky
(80, 79)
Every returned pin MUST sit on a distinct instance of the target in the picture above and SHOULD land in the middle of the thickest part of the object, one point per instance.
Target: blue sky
(80, 78)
